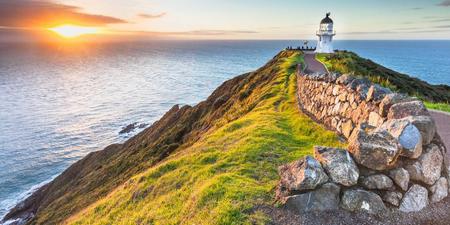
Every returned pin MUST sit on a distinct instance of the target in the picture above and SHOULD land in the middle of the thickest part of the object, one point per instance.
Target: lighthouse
(325, 34)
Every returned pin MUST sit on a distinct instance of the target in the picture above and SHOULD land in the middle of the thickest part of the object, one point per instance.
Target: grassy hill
(349, 62)
(207, 164)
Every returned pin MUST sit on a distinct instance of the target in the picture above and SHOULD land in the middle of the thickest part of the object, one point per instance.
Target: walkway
(312, 65)
(442, 119)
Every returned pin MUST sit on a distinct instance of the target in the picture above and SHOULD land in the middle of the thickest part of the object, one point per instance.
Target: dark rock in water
(131, 127)
(142, 125)
(323, 199)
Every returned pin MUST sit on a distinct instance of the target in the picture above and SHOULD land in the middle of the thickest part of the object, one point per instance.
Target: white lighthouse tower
(325, 34)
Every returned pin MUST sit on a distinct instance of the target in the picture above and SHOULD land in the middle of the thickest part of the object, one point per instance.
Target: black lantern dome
(327, 19)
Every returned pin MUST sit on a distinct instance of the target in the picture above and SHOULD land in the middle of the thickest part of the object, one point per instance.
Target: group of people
(303, 48)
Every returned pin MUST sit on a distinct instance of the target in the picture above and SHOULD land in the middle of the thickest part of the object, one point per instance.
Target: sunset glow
(72, 31)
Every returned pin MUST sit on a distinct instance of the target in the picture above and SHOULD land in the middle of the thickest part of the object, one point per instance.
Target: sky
(228, 19)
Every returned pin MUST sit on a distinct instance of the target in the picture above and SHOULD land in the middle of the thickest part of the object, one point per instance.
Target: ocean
(60, 102)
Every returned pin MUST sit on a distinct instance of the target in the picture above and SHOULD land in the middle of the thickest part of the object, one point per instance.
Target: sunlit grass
(233, 168)
(345, 62)
(445, 107)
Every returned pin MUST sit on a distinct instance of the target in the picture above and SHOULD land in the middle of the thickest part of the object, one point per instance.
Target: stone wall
(395, 158)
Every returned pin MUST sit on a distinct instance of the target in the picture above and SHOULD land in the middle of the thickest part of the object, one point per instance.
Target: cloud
(197, 32)
(443, 26)
(152, 16)
(445, 3)
(44, 13)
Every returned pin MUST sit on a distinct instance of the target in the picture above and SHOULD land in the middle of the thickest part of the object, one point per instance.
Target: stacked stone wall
(395, 158)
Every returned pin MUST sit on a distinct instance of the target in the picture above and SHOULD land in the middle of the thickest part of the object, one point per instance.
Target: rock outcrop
(394, 155)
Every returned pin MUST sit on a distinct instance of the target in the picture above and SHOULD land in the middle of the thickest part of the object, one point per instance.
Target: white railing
(329, 33)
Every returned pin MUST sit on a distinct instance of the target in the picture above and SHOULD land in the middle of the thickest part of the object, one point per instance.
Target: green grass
(229, 171)
(349, 63)
(445, 107)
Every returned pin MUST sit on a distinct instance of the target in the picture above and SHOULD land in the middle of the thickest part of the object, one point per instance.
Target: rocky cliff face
(395, 157)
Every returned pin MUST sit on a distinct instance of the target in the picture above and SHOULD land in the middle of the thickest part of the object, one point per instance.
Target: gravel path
(442, 120)
(313, 66)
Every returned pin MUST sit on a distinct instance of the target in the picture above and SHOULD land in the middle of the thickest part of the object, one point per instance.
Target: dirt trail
(312, 65)
(442, 120)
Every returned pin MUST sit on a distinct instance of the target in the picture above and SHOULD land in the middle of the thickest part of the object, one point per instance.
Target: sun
(72, 31)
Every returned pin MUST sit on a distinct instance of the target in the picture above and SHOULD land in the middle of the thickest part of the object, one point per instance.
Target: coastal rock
(344, 79)
(426, 126)
(376, 93)
(393, 197)
(375, 119)
(427, 168)
(388, 101)
(338, 164)
(439, 190)
(377, 150)
(405, 109)
(361, 200)
(324, 198)
(408, 136)
(401, 177)
(303, 174)
(415, 199)
(378, 181)
(347, 128)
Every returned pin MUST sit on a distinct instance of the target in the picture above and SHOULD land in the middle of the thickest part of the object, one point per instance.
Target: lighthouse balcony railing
(330, 33)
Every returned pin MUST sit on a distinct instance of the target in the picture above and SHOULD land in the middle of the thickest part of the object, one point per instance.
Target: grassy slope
(232, 168)
(438, 106)
(348, 62)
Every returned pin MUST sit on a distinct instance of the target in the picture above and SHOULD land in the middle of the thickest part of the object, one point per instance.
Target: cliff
(213, 163)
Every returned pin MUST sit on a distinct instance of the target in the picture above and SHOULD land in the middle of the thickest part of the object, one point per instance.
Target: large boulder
(324, 198)
(426, 126)
(408, 136)
(389, 100)
(376, 93)
(401, 177)
(303, 174)
(427, 168)
(393, 197)
(338, 164)
(376, 150)
(415, 199)
(361, 200)
(439, 190)
(405, 109)
(377, 181)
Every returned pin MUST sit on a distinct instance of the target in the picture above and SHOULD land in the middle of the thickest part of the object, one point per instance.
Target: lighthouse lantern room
(325, 34)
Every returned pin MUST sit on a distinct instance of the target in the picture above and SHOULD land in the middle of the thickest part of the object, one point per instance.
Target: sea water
(60, 102)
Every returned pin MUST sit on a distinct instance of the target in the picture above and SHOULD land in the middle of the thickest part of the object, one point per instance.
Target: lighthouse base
(324, 48)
